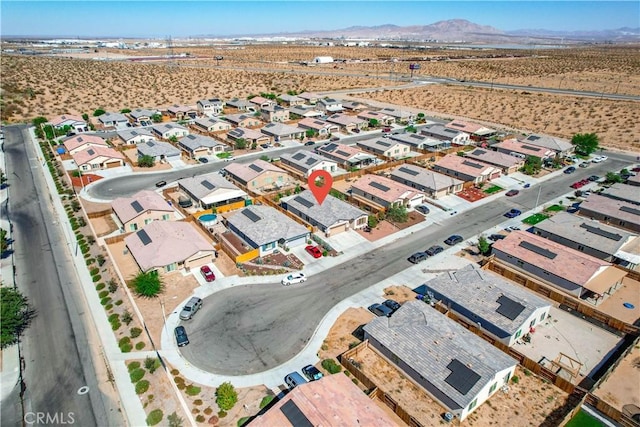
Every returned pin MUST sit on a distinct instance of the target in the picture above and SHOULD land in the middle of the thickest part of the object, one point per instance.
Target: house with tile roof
(265, 228)
(354, 105)
(306, 162)
(433, 184)
(243, 120)
(98, 157)
(559, 146)
(291, 100)
(331, 217)
(274, 113)
(386, 147)
(144, 207)
(77, 143)
(132, 136)
(77, 123)
(592, 237)
(241, 104)
(310, 97)
(499, 307)
(282, 132)
(159, 150)
(167, 246)
(611, 211)
(319, 126)
(199, 145)
(260, 102)
(347, 156)
(385, 192)
(211, 124)
(140, 115)
(438, 131)
(211, 190)
(454, 366)
(333, 400)
(476, 131)
(169, 130)
(304, 111)
(400, 116)
(210, 107)
(466, 169)
(329, 105)
(382, 118)
(573, 272)
(507, 164)
(115, 120)
(346, 122)
(513, 147)
(422, 142)
(182, 112)
(249, 136)
(259, 176)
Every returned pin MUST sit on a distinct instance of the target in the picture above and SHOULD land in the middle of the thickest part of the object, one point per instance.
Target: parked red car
(207, 273)
(314, 251)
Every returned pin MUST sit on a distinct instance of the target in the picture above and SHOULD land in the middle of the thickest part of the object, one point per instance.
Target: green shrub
(242, 421)
(100, 286)
(226, 396)
(331, 366)
(105, 301)
(96, 278)
(103, 294)
(515, 379)
(200, 418)
(113, 286)
(124, 340)
(266, 400)
(142, 386)
(151, 364)
(135, 332)
(90, 261)
(114, 317)
(154, 417)
(136, 375)
(148, 284)
(94, 271)
(108, 307)
(127, 317)
(140, 345)
(126, 348)
(192, 390)
(119, 302)
(133, 366)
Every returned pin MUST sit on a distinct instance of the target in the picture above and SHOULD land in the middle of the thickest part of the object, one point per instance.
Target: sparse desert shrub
(135, 332)
(193, 390)
(140, 345)
(136, 375)
(154, 417)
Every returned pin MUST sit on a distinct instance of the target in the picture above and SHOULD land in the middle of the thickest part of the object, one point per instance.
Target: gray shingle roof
(331, 211)
(428, 341)
(127, 134)
(269, 225)
(303, 160)
(157, 148)
(423, 177)
(193, 142)
(546, 141)
(441, 132)
(198, 187)
(112, 117)
(626, 192)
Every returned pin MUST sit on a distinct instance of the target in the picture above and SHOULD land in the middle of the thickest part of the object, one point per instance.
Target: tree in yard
(173, 139)
(254, 145)
(372, 221)
(420, 116)
(310, 133)
(397, 214)
(85, 117)
(483, 245)
(125, 110)
(241, 144)
(148, 284)
(226, 396)
(586, 143)
(156, 118)
(15, 316)
(373, 123)
(613, 178)
(532, 165)
(146, 161)
(411, 129)
(98, 112)
(175, 420)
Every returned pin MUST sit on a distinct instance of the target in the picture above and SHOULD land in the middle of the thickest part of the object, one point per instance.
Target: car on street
(584, 164)
(423, 209)
(393, 305)
(593, 178)
(599, 159)
(512, 228)
(312, 373)
(190, 308)
(181, 336)
(161, 184)
(308, 143)
(207, 273)
(380, 310)
(334, 138)
(511, 193)
(434, 250)
(294, 278)
(569, 170)
(203, 160)
(635, 169)
(496, 237)
(453, 240)
(313, 251)
(418, 257)
(513, 213)
(265, 146)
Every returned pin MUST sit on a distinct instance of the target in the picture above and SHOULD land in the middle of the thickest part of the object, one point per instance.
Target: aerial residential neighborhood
(319, 245)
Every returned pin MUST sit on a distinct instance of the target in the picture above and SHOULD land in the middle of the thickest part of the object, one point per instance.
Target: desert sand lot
(47, 86)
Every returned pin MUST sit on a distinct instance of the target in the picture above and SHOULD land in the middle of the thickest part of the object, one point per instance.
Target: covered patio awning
(605, 280)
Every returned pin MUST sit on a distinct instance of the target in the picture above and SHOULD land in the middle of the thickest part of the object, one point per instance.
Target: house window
(493, 388)
(473, 404)
(520, 263)
(518, 333)
(253, 183)
(532, 324)
(506, 378)
(580, 248)
(133, 227)
(147, 221)
(170, 267)
(165, 217)
(542, 317)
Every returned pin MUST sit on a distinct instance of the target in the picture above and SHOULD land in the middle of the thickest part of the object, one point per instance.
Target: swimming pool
(208, 217)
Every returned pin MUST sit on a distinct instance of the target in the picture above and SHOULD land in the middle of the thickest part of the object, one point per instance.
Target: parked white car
(599, 159)
(294, 278)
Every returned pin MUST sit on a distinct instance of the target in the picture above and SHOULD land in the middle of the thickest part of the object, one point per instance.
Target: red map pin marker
(320, 192)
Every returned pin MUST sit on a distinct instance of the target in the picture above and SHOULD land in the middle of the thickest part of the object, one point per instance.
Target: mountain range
(462, 30)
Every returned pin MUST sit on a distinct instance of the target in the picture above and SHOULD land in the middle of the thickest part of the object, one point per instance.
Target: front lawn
(224, 155)
(493, 189)
(535, 218)
(554, 208)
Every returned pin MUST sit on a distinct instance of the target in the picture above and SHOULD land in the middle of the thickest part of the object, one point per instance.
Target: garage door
(197, 262)
(113, 165)
(337, 229)
(298, 241)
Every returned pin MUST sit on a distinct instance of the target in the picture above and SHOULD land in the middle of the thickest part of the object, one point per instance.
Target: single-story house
(211, 124)
(158, 150)
(241, 104)
(454, 366)
(264, 228)
(420, 141)
(140, 115)
(141, 209)
(280, 131)
(322, 403)
(385, 147)
(210, 107)
(559, 146)
(433, 184)
(98, 158)
(513, 147)
(466, 169)
(259, 175)
(333, 216)
(260, 102)
(291, 100)
(169, 130)
(476, 131)
(386, 192)
(77, 143)
(507, 164)
(383, 119)
(592, 238)
(611, 211)
(182, 112)
(166, 246)
(321, 127)
(442, 133)
(623, 192)
(400, 116)
(243, 120)
(305, 111)
(354, 105)
(634, 180)
(310, 97)
(499, 307)
(199, 145)
(274, 113)
(135, 136)
(250, 136)
(346, 122)
(116, 120)
(211, 190)
(329, 105)
(347, 156)
(307, 162)
(578, 274)
(76, 123)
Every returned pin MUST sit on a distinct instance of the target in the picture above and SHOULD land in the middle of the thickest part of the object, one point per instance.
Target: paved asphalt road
(249, 329)
(55, 347)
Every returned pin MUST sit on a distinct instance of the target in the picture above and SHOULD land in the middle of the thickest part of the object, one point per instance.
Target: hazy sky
(177, 18)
